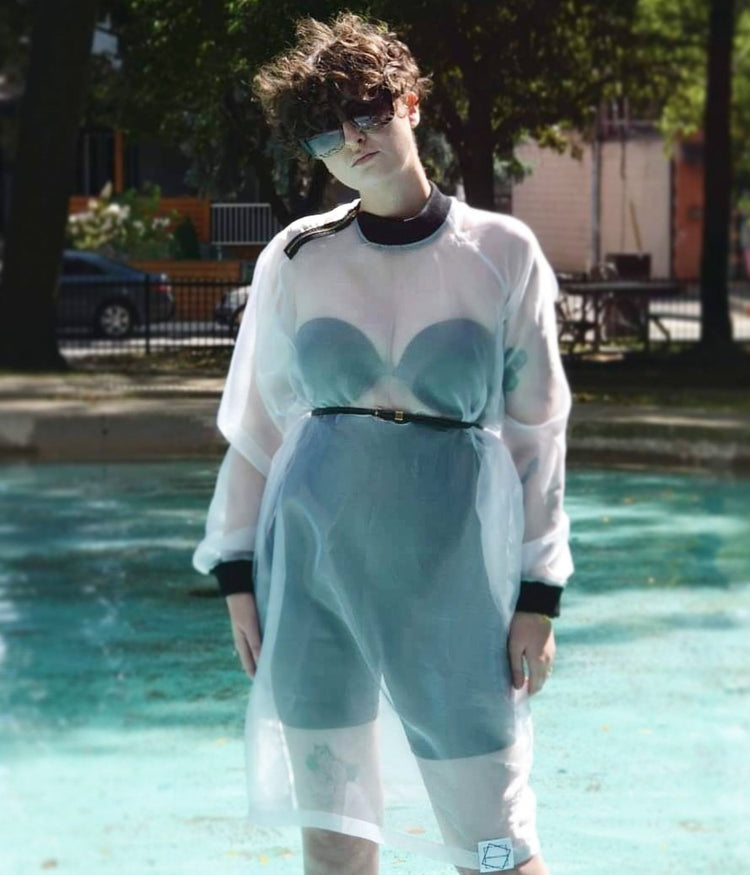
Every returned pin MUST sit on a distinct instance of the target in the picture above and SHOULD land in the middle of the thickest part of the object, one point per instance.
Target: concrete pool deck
(105, 417)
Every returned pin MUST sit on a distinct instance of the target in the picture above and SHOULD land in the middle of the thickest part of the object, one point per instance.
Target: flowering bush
(124, 227)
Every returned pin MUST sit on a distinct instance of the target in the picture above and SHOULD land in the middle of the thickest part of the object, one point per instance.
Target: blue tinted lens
(378, 113)
(366, 117)
(366, 122)
(322, 145)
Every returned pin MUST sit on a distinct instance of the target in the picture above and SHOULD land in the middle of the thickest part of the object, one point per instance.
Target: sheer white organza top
(388, 556)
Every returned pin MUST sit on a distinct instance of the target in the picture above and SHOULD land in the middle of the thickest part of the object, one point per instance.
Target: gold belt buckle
(398, 415)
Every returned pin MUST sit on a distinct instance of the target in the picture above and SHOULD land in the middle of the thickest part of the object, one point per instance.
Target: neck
(401, 198)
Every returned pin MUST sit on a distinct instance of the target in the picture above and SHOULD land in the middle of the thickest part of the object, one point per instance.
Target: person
(387, 524)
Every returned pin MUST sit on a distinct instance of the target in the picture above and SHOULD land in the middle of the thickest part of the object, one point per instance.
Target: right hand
(245, 629)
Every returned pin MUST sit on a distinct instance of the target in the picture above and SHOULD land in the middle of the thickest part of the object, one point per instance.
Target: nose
(352, 135)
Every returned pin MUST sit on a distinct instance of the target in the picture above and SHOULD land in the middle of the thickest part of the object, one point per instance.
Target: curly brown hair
(351, 60)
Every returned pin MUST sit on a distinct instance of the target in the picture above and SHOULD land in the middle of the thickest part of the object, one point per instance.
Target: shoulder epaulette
(295, 244)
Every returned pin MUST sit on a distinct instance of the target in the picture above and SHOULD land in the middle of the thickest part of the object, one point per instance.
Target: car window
(80, 267)
(110, 266)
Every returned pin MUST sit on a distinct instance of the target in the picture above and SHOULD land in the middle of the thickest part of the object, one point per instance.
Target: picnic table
(609, 309)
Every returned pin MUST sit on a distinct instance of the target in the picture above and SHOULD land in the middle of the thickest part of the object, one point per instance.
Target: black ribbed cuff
(234, 576)
(539, 598)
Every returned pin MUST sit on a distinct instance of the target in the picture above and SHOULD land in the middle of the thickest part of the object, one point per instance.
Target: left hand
(531, 638)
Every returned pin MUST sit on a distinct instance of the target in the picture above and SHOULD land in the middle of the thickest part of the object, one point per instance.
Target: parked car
(231, 307)
(109, 296)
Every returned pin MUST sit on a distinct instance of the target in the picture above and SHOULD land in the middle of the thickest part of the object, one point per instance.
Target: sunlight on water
(122, 703)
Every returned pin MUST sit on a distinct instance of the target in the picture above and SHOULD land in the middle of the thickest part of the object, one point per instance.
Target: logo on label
(495, 855)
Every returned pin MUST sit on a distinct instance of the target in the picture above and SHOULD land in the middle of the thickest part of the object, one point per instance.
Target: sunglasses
(366, 117)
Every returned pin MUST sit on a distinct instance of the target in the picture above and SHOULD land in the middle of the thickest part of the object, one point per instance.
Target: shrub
(185, 243)
(126, 226)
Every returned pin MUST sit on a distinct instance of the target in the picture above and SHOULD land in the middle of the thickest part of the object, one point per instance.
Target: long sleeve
(537, 404)
(251, 417)
(232, 520)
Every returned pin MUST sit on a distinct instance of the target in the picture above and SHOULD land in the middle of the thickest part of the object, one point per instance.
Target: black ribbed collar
(397, 232)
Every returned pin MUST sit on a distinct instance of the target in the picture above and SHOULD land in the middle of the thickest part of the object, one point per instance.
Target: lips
(362, 157)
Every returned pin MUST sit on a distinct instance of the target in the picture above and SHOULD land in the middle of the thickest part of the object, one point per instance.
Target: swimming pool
(122, 704)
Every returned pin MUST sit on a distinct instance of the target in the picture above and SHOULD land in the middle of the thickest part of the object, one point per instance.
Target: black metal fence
(139, 318)
(143, 317)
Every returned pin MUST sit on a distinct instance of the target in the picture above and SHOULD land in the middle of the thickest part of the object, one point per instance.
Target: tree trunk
(263, 166)
(476, 161)
(314, 199)
(476, 148)
(43, 181)
(716, 328)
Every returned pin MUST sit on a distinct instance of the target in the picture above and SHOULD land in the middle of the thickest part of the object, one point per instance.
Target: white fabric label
(495, 855)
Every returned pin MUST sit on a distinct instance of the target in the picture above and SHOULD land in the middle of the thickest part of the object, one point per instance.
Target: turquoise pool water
(122, 704)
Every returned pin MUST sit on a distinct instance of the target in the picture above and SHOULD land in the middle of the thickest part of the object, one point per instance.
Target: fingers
(247, 647)
(531, 639)
(245, 631)
(251, 631)
(515, 655)
(539, 670)
(247, 658)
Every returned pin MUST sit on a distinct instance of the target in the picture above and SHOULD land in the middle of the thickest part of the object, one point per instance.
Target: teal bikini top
(448, 365)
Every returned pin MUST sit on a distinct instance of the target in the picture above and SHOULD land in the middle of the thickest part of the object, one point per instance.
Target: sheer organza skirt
(387, 570)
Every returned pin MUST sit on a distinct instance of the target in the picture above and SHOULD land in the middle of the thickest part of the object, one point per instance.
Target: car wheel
(114, 320)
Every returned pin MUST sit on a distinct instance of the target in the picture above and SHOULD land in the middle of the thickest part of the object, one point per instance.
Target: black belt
(397, 416)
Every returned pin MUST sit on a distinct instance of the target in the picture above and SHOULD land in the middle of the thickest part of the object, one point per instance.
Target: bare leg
(337, 771)
(533, 866)
(333, 853)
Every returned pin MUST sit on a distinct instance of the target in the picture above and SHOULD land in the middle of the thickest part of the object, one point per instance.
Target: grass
(199, 362)
(677, 378)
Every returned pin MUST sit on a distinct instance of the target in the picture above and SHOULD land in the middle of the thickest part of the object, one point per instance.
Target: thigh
(324, 693)
(319, 676)
(445, 661)
(486, 798)
(337, 771)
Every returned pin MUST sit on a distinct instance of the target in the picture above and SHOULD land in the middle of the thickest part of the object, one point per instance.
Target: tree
(716, 327)
(679, 45)
(42, 181)
(696, 39)
(505, 70)
(500, 71)
(185, 77)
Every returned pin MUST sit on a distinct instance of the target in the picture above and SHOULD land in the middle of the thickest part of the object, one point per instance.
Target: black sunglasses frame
(362, 121)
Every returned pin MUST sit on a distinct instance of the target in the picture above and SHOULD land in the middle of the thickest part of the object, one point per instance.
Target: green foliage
(501, 71)
(185, 243)
(674, 34)
(185, 77)
(127, 226)
(524, 65)
(15, 26)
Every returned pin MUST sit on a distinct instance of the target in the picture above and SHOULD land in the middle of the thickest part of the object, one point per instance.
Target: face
(371, 157)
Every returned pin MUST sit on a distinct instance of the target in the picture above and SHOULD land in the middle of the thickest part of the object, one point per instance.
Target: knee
(533, 866)
(333, 853)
